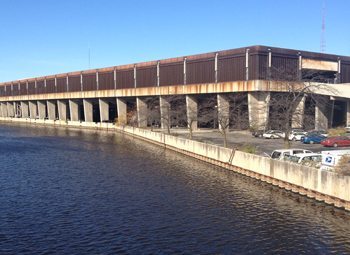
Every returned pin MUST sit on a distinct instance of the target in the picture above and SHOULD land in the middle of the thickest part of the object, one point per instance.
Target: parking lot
(243, 139)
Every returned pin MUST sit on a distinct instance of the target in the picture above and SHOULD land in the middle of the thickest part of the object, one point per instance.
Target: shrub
(248, 148)
(337, 131)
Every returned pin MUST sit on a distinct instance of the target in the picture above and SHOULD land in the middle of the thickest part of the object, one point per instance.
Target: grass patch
(248, 148)
(337, 132)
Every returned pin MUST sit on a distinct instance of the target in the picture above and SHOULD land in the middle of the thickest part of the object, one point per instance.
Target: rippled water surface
(82, 192)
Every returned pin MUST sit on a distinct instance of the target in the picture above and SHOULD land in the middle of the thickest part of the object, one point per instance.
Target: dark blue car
(312, 139)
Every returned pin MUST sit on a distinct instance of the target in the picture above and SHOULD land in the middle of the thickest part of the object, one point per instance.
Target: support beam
(25, 109)
(298, 114)
(165, 108)
(104, 109)
(51, 109)
(223, 107)
(258, 109)
(10, 109)
(88, 110)
(33, 110)
(17, 109)
(322, 115)
(62, 110)
(348, 113)
(42, 109)
(74, 110)
(142, 112)
(192, 112)
(4, 110)
(122, 111)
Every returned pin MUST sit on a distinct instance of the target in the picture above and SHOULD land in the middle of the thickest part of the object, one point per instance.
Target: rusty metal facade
(252, 63)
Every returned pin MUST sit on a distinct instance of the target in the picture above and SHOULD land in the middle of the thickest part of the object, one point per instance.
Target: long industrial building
(148, 93)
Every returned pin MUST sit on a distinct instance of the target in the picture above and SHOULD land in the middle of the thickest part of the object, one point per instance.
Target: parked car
(318, 132)
(347, 129)
(271, 134)
(336, 141)
(258, 133)
(298, 130)
(306, 159)
(311, 139)
(281, 154)
(296, 136)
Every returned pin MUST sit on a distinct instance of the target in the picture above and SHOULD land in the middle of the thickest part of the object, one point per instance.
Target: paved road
(239, 139)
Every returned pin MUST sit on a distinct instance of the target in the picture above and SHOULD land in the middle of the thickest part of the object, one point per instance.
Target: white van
(331, 158)
(281, 154)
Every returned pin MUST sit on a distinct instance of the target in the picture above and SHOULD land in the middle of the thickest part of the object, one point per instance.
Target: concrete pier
(62, 110)
(42, 109)
(142, 112)
(298, 114)
(192, 111)
(74, 110)
(4, 109)
(121, 111)
(104, 109)
(258, 109)
(33, 109)
(51, 109)
(10, 109)
(25, 109)
(165, 111)
(88, 110)
(223, 108)
(322, 115)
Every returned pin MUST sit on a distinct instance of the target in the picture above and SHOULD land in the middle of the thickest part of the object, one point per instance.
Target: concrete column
(122, 111)
(51, 109)
(25, 109)
(192, 111)
(10, 109)
(223, 111)
(348, 113)
(322, 115)
(62, 110)
(88, 110)
(258, 109)
(17, 109)
(42, 109)
(298, 114)
(4, 109)
(33, 110)
(142, 112)
(104, 109)
(74, 110)
(164, 105)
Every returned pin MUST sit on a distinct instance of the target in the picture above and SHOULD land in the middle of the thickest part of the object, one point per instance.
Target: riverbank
(328, 187)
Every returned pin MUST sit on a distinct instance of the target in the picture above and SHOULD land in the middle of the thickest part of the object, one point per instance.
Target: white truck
(331, 158)
(281, 154)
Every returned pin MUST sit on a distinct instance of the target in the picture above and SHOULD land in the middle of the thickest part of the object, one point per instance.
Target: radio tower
(323, 38)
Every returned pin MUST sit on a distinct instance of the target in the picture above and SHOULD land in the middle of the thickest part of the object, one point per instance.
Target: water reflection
(82, 191)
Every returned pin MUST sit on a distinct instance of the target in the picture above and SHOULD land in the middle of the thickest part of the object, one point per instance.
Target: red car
(336, 141)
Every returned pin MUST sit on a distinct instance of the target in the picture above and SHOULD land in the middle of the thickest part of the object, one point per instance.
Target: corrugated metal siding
(263, 66)
(106, 80)
(345, 72)
(31, 88)
(231, 68)
(125, 79)
(15, 89)
(146, 76)
(200, 71)
(23, 88)
(284, 68)
(8, 90)
(2, 90)
(253, 67)
(89, 82)
(61, 85)
(171, 74)
(50, 86)
(40, 87)
(74, 83)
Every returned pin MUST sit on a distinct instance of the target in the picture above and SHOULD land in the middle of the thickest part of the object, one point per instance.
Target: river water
(86, 192)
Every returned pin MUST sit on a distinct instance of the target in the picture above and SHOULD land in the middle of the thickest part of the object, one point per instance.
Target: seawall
(325, 186)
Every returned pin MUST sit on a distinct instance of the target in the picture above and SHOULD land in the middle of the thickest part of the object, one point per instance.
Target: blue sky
(43, 37)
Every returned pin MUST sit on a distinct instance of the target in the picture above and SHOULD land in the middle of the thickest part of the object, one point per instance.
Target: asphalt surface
(241, 139)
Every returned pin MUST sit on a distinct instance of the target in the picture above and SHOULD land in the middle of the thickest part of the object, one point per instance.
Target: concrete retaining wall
(321, 185)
